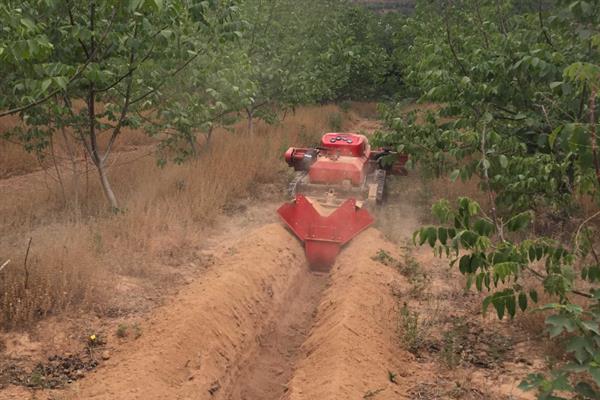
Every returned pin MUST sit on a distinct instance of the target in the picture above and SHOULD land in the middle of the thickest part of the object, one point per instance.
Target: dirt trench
(266, 372)
(261, 326)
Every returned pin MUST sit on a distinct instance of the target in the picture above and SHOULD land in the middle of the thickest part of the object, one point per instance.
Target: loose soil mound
(353, 351)
(194, 346)
(260, 325)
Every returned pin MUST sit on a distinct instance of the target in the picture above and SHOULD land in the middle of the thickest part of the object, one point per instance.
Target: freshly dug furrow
(268, 369)
(353, 350)
(260, 326)
(193, 347)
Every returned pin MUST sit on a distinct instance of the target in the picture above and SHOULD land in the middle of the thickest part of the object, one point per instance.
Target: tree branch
(92, 95)
(172, 74)
(132, 68)
(486, 179)
(71, 80)
(450, 43)
(125, 108)
(25, 263)
(542, 27)
(542, 277)
(72, 22)
(480, 24)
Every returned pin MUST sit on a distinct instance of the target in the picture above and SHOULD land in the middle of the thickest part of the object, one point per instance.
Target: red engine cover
(344, 158)
(346, 144)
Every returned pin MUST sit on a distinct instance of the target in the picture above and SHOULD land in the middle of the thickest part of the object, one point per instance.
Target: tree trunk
(106, 187)
(191, 139)
(97, 159)
(209, 136)
(250, 113)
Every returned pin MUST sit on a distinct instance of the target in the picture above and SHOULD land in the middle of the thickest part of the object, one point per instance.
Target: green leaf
(595, 373)
(591, 326)
(487, 118)
(486, 303)
(559, 323)
(519, 221)
(584, 389)
(468, 239)
(479, 281)
(61, 82)
(511, 306)
(464, 263)
(505, 269)
(157, 4)
(133, 5)
(431, 236)
(483, 227)
(46, 84)
(475, 263)
(580, 347)
(422, 233)
(29, 24)
(473, 208)
(454, 175)
(554, 85)
(166, 33)
(503, 161)
(499, 305)
(442, 235)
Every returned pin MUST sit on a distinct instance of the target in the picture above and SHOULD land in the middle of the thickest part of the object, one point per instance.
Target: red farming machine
(336, 185)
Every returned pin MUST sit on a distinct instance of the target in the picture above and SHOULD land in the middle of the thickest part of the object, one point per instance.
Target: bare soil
(261, 325)
(266, 372)
(257, 324)
(353, 349)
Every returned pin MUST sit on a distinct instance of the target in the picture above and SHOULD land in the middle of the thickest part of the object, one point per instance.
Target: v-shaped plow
(324, 235)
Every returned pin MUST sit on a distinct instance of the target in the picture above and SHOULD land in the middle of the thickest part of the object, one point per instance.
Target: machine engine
(333, 184)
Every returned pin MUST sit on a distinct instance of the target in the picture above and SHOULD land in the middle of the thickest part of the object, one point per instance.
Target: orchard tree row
(518, 83)
(178, 68)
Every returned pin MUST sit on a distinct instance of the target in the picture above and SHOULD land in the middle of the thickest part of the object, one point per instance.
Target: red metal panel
(324, 235)
(321, 254)
(336, 170)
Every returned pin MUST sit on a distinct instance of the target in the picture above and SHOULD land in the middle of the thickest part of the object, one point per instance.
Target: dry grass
(16, 160)
(13, 158)
(364, 109)
(76, 249)
(445, 188)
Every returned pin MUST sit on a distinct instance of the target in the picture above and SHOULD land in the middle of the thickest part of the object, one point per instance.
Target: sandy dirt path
(194, 346)
(261, 326)
(258, 325)
(353, 351)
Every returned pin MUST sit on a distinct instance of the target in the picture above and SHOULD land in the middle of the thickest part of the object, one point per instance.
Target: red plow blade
(323, 236)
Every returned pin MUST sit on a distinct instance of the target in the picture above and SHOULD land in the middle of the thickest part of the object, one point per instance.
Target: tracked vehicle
(335, 186)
